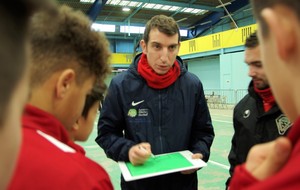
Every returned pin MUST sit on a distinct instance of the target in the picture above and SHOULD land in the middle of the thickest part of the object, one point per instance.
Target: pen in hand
(143, 148)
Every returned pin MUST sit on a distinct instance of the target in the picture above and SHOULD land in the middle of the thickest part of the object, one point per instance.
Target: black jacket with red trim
(252, 125)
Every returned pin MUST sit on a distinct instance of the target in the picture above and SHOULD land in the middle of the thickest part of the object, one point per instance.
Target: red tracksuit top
(50, 160)
(288, 178)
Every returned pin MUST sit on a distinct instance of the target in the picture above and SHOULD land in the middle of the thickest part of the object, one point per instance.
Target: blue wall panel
(124, 46)
(233, 71)
(208, 71)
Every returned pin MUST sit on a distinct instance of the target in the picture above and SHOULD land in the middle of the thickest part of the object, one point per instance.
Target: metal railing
(224, 98)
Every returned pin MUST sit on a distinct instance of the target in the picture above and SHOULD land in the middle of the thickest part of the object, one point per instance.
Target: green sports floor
(211, 177)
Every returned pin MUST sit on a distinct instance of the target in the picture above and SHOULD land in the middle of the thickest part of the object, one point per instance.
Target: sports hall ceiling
(193, 15)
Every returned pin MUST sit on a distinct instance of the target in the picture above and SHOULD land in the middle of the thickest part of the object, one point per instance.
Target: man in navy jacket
(157, 107)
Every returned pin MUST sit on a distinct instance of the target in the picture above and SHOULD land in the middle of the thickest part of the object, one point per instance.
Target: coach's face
(161, 51)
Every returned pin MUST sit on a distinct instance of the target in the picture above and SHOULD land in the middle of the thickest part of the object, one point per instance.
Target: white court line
(222, 121)
(218, 164)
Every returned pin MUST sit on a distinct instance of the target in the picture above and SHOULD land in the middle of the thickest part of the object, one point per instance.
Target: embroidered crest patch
(283, 124)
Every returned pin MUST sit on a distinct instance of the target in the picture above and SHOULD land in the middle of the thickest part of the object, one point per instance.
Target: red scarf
(153, 79)
(267, 96)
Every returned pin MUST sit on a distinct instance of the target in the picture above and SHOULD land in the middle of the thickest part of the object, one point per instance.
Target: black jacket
(252, 125)
(172, 119)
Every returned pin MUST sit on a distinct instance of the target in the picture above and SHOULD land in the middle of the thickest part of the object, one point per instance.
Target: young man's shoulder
(42, 158)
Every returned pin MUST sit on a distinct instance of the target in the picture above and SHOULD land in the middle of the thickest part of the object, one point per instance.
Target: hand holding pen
(138, 154)
(144, 149)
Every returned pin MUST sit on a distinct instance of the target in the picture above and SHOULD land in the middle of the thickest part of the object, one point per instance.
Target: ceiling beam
(178, 11)
(133, 13)
(215, 17)
(95, 9)
(228, 14)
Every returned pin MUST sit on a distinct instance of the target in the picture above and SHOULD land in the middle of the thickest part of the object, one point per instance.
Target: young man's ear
(282, 24)
(75, 126)
(143, 46)
(64, 82)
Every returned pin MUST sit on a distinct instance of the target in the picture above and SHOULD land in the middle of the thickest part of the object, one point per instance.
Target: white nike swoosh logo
(136, 103)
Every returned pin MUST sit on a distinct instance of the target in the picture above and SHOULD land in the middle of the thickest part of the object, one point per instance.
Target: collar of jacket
(133, 65)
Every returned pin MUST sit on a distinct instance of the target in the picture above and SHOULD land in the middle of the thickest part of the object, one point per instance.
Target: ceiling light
(123, 3)
(196, 11)
(149, 5)
(158, 6)
(134, 4)
(113, 2)
(166, 7)
(174, 8)
(202, 12)
(125, 9)
(187, 10)
(87, 1)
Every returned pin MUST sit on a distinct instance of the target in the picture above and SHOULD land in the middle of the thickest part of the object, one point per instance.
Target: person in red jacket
(275, 165)
(14, 19)
(68, 57)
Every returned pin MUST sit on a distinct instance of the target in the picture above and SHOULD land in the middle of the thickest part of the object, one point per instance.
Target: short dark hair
(259, 5)
(97, 94)
(14, 19)
(164, 24)
(252, 41)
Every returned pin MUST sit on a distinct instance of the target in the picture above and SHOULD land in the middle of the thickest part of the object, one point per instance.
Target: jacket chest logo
(136, 103)
(137, 111)
(283, 124)
(140, 112)
(132, 113)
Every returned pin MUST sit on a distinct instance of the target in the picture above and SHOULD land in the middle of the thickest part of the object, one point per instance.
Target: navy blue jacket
(172, 119)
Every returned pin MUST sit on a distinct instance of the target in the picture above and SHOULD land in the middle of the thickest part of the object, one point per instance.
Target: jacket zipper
(160, 118)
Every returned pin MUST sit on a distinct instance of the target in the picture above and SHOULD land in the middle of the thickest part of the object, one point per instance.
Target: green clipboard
(161, 164)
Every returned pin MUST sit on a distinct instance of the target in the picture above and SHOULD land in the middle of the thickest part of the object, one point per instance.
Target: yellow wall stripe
(226, 39)
(121, 58)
